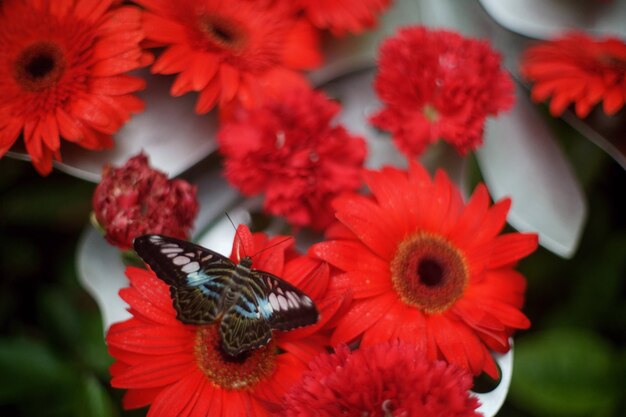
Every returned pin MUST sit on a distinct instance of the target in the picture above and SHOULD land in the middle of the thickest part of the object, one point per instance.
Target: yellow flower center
(39, 66)
(241, 372)
(428, 272)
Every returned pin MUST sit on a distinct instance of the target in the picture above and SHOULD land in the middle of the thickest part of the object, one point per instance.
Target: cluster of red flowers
(240, 53)
(181, 369)
(135, 199)
(422, 282)
(436, 84)
(64, 64)
(289, 150)
(578, 69)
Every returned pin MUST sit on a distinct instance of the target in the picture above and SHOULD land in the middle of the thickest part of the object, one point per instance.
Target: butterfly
(206, 287)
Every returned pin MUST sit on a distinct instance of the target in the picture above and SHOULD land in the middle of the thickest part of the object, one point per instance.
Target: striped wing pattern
(206, 286)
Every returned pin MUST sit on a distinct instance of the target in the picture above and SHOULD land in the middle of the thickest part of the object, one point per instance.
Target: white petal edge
(491, 402)
(546, 19)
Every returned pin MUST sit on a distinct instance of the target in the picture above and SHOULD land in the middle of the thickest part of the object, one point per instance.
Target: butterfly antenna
(237, 234)
(273, 245)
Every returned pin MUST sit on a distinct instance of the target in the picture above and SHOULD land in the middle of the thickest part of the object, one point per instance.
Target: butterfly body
(207, 287)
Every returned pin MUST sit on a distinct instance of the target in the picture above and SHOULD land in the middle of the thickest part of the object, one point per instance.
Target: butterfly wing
(282, 305)
(197, 276)
(241, 332)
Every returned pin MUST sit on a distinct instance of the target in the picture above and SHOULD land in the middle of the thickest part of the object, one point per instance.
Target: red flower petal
(161, 371)
(175, 399)
(577, 68)
(362, 315)
(510, 248)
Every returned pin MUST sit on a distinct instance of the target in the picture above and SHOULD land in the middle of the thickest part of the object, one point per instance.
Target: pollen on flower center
(428, 272)
(430, 113)
(227, 372)
(39, 66)
(223, 33)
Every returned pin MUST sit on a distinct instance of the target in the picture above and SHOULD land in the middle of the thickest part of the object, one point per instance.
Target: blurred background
(53, 360)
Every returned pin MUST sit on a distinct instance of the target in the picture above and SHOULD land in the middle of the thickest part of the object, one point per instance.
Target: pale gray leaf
(545, 19)
(521, 159)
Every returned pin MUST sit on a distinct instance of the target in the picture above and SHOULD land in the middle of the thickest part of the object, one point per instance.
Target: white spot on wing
(274, 302)
(171, 250)
(180, 260)
(283, 302)
(293, 298)
(191, 267)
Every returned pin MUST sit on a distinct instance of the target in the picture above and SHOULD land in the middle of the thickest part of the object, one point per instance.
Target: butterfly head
(246, 262)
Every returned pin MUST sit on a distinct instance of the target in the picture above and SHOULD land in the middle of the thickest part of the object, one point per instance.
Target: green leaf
(96, 401)
(599, 285)
(59, 317)
(29, 370)
(565, 372)
(61, 205)
(93, 349)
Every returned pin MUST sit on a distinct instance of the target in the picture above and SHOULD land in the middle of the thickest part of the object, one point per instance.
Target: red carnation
(135, 199)
(181, 369)
(427, 268)
(438, 85)
(386, 380)
(289, 150)
(63, 74)
(344, 16)
(577, 69)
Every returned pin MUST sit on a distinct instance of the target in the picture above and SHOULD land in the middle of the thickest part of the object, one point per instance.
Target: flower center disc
(229, 372)
(222, 32)
(39, 66)
(430, 113)
(428, 272)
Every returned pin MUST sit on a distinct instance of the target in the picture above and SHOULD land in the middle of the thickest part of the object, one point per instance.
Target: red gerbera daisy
(62, 66)
(230, 50)
(182, 370)
(289, 150)
(577, 69)
(386, 380)
(425, 268)
(438, 85)
(342, 16)
(135, 199)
